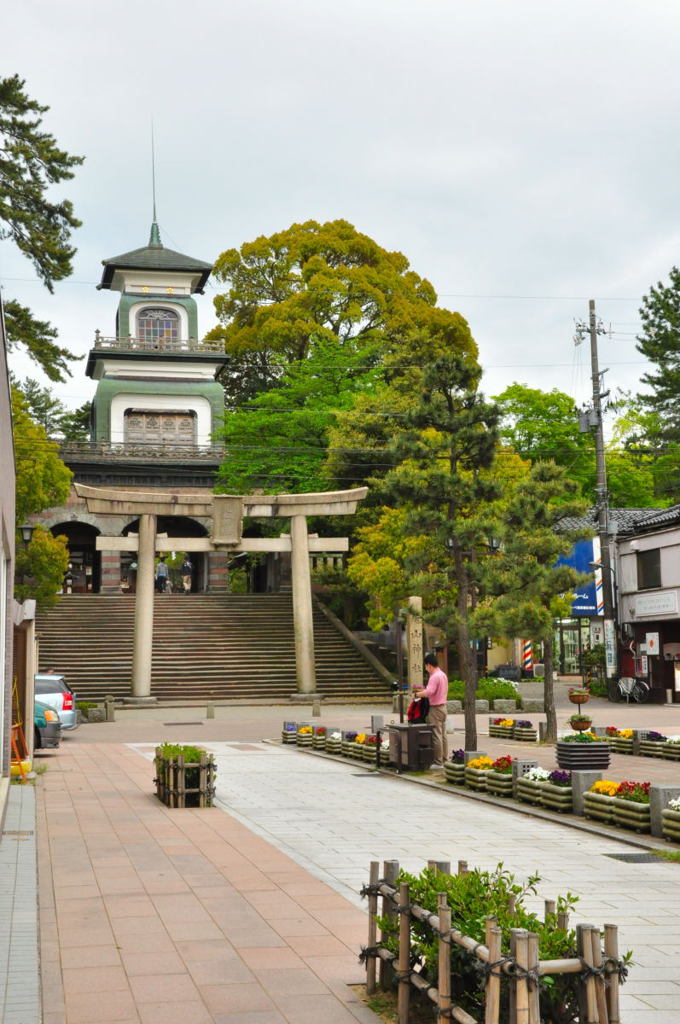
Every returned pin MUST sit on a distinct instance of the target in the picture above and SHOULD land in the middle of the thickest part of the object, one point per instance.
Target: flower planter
(528, 791)
(181, 783)
(671, 751)
(501, 731)
(332, 746)
(289, 735)
(670, 824)
(498, 783)
(556, 798)
(630, 814)
(599, 807)
(319, 741)
(369, 753)
(304, 739)
(475, 778)
(454, 773)
(580, 724)
(579, 698)
(347, 747)
(583, 756)
(357, 751)
(652, 748)
(525, 733)
(620, 745)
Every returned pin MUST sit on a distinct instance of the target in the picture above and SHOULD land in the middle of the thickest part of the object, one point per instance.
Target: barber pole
(527, 656)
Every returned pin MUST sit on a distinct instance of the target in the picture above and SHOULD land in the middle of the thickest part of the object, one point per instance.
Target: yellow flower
(304, 730)
(605, 787)
(361, 737)
(507, 722)
(626, 734)
(482, 763)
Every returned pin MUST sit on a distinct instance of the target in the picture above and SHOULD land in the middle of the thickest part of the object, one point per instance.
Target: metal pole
(602, 498)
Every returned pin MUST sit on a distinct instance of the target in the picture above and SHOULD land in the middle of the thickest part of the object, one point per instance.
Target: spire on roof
(155, 236)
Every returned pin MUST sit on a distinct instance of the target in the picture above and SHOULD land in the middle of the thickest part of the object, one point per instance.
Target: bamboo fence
(173, 778)
(599, 973)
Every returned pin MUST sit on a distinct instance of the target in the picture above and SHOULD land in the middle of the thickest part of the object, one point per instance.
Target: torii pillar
(226, 513)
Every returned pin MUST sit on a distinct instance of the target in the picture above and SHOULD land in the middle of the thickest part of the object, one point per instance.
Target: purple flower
(560, 778)
(656, 736)
(525, 724)
(351, 736)
(458, 756)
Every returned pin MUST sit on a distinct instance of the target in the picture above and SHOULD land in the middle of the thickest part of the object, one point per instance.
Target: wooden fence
(599, 971)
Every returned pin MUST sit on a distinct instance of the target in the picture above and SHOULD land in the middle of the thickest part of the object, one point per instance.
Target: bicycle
(634, 689)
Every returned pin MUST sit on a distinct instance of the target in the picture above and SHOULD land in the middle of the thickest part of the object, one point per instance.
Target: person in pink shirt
(437, 692)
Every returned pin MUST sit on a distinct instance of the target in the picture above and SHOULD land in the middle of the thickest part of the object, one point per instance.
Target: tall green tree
(277, 442)
(42, 480)
(659, 342)
(526, 587)
(51, 413)
(447, 442)
(315, 282)
(40, 226)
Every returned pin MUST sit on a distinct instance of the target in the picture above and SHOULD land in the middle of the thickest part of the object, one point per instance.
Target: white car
(52, 689)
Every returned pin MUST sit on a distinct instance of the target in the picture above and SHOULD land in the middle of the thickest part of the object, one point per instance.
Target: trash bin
(411, 746)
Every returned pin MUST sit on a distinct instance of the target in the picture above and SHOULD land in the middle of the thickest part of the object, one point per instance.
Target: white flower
(674, 805)
(673, 739)
(336, 735)
(536, 774)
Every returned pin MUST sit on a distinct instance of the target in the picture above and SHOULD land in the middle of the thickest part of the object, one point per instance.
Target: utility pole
(595, 424)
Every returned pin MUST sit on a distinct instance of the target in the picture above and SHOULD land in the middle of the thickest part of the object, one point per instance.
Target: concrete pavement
(249, 912)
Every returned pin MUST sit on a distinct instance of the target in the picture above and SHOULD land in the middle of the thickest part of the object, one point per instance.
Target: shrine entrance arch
(225, 512)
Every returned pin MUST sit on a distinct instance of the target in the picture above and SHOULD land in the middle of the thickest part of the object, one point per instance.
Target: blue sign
(585, 600)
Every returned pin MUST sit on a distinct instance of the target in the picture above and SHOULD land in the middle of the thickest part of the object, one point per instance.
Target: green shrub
(191, 755)
(472, 898)
(487, 689)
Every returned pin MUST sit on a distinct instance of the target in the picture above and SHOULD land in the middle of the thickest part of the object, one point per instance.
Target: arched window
(156, 326)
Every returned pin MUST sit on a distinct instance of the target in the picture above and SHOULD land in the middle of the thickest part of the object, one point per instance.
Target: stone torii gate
(226, 513)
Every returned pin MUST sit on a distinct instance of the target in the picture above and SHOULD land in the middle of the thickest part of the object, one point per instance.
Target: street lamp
(26, 531)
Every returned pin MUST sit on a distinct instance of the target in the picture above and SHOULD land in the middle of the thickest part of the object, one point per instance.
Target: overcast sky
(524, 156)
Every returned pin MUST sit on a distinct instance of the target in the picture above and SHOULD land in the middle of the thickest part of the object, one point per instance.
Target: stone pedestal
(581, 782)
(659, 797)
(217, 572)
(110, 572)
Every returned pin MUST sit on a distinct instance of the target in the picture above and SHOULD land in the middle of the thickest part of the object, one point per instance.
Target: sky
(525, 157)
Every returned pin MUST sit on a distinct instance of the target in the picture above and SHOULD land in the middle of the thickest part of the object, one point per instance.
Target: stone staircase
(205, 647)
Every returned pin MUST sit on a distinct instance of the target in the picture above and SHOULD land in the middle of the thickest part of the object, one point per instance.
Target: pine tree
(448, 441)
(660, 344)
(30, 163)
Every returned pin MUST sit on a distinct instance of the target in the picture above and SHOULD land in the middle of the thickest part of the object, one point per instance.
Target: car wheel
(36, 739)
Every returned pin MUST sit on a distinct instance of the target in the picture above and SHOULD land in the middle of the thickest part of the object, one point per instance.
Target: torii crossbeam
(226, 514)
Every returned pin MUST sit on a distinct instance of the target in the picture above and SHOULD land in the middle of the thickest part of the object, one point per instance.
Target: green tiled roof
(154, 256)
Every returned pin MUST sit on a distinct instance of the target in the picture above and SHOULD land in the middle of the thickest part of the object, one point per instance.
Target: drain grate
(182, 723)
(635, 858)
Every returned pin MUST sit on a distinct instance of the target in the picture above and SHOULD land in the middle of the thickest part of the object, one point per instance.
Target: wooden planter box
(181, 783)
(289, 735)
(528, 792)
(582, 756)
(475, 778)
(652, 748)
(498, 783)
(525, 733)
(620, 745)
(454, 773)
(305, 739)
(332, 746)
(670, 824)
(556, 798)
(671, 751)
(357, 751)
(369, 752)
(501, 731)
(319, 741)
(599, 807)
(629, 814)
